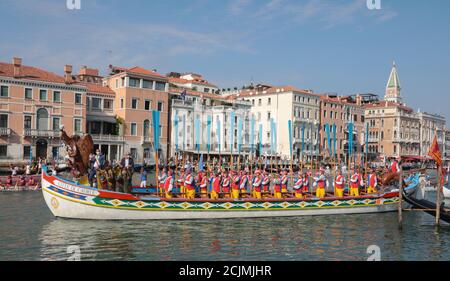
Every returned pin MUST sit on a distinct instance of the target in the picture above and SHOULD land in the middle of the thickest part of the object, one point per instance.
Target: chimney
(68, 73)
(17, 62)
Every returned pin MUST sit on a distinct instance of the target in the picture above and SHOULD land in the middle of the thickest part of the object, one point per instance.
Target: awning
(102, 118)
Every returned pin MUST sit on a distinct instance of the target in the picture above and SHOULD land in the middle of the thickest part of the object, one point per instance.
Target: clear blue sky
(324, 45)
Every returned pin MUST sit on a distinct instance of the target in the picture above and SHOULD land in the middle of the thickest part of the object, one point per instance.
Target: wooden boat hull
(69, 200)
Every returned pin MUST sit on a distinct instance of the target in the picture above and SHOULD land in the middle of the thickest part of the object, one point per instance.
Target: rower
(162, 180)
(284, 181)
(189, 184)
(298, 186)
(305, 181)
(225, 183)
(168, 184)
(266, 181)
(235, 179)
(257, 185)
(372, 182)
(180, 182)
(244, 181)
(320, 182)
(339, 185)
(355, 182)
(277, 187)
(203, 179)
(215, 186)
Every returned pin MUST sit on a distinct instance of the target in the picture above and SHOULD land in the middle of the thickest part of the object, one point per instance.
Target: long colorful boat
(69, 199)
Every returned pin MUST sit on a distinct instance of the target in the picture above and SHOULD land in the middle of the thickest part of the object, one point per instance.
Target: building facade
(431, 125)
(35, 103)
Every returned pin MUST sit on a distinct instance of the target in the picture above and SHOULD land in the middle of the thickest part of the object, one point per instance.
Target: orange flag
(435, 153)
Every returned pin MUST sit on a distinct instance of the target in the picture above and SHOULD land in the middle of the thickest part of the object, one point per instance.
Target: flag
(208, 133)
(334, 141)
(327, 130)
(435, 153)
(290, 136)
(156, 132)
(176, 131)
(350, 138)
(239, 134)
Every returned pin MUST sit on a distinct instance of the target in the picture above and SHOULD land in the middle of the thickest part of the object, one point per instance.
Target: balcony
(110, 138)
(5, 131)
(41, 133)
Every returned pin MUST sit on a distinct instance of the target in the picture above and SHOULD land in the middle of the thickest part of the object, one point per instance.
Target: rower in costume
(355, 182)
(266, 181)
(235, 180)
(162, 180)
(277, 187)
(298, 186)
(225, 183)
(244, 182)
(284, 181)
(168, 184)
(257, 185)
(180, 182)
(339, 184)
(203, 183)
(372, 182)
(320, 182)
(189, 184)
(216, 186)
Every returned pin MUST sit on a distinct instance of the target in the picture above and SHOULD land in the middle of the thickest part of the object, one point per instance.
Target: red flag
(435, 153)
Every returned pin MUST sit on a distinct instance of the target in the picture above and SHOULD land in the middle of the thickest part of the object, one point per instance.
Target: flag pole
(438, 187)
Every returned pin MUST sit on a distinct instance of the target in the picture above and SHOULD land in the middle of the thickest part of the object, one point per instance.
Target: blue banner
(208, 133)
(327, 130)
(350, 138)
(156, 132)
(334, 141)
(218, 134)
(290, 136)
(197, 133)
(252, 134)
(239, 134)
(260, 139)
(176, 131)
(231, 132)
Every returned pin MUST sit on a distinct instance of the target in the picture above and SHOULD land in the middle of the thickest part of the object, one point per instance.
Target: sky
(329, 46)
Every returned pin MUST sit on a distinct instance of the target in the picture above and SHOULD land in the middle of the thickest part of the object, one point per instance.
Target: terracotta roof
(196, 93)
(382, 104)
(186, 81)
(30, 73)
(97, 88)
(138, 70)
(271, 90)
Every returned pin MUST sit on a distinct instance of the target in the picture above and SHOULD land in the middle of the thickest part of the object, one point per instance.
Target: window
(43, 95)
(27, 122)
(117, 83)
(56, 96)
(133, 129)
(26, 152)
(268, 116)
(121, 103)
(3, 121)
(259, 102)
(28, 93)
(56, 122)
(4, 91)
(96, 103)
(147, 84)
(77, 98)
(324, 114)
(3, 151)
(77, 125)
(134, 103)
(160, 106)
(148, 104)
(107, 104)
(160, 86)
(206, 90)
(133, 82)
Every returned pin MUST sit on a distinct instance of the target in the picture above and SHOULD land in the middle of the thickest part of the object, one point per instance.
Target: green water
(29, 232)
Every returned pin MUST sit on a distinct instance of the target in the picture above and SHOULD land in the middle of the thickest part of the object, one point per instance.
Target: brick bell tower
(393, 86)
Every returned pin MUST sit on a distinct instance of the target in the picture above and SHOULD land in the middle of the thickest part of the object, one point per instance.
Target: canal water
(28, 231)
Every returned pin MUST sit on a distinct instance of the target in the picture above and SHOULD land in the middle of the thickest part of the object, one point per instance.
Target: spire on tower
(393, 87)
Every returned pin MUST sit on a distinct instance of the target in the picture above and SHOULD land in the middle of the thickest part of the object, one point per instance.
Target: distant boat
(69, 199)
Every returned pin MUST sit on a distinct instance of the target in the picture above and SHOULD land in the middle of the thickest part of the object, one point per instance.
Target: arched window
(42, 119)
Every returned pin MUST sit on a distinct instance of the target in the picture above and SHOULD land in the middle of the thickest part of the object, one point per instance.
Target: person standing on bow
(189, 184)
(235, 180)
(320, 182)
(372, 182)
(355, 182)
(339, 183)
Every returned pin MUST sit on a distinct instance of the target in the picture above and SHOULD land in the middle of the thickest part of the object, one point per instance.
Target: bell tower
(393, 86)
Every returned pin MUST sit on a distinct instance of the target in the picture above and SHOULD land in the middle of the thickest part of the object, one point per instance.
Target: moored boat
(69, 199)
